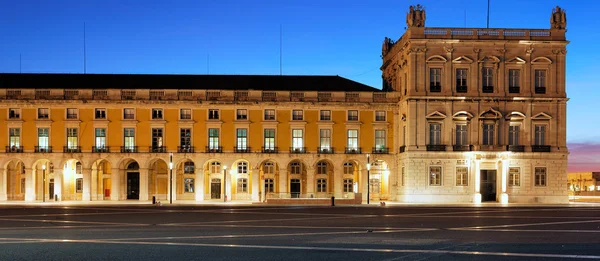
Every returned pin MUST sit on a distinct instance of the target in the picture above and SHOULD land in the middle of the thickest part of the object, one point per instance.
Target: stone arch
(185, 179)
(269, 172)
(101, 179)
(297, 177)
(158, 178)
(324, 170)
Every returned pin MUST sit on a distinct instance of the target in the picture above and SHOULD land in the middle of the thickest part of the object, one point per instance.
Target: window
(348, 168)
(435, 134)
(71, 114)
(325, 115)
(488, 134)
(213, 114)
(79, 185)
(321, 185)
(435, 79)
(324, 139)
(43, 113)
(513, 135)
(242, 115)
(157, 114)
(461, 134)
(269, 115)
(215, 167)
(352, 139)
(435, 176)
(72, 138)
(380, 116)
(242, 167)
(514, 78)
(296, 168)
(128, 113)
(100, 138)
(213, 139)
(352, 115)
(269, 143)
(242, 139)
(462, 176)
(487, 79)
(242, 185)
(185, 114)
(157, 138)
(14, 114)
(348, 185)
(189, 167)
(43, 138)
(297, 139)
(461, 80)
(100, 114)
(514, 177)
(540, 177)
(540, 135)
(322, 167)
(540, 81)
(188, 185)
(269, 168)
(14, 139)
(185, 138)
(380, 143)
(269, 185)
(297, 115)
(129, 138)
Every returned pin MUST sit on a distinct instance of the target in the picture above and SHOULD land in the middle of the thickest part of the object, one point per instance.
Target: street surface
(228, 232)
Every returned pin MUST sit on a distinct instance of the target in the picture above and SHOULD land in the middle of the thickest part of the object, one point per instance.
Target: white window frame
(40, 113)
(435, 133)
(540, 177)
(514, 177)
(14, 114)
(462, 176)
(325, 115)
(185, 114)
(157, 114)
(213, 114)
(131, 112)
(435, 179)
(297, 115)
(72, 114)
(241, 114)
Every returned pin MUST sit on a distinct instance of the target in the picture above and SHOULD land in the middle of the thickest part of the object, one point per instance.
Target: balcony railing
(436, 147)
(325, 150)
(186, 149)
(270, 150)
(515, 89)
(380, 150)
(402, 149)
(14, 149)
(540, 90)
(540, 148)
(157, 149)
(488, 89)
(72, 149)
(242, 150)
(298, 150)
(461, 147)
(352, 150)
(43, 149)
(435, 88)
(461, 88)
(214, 149)
(129, 149)
(515, 148)
(100, 149)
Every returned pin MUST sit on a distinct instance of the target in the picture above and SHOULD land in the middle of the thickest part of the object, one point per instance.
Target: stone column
(504, 170)
(87, 185)
(338, 182)
(173, 184)
(199, 184)
(115, 184)
(29, 185)
(255, 186)
(310, 181)
(3, 185)
(143, 184)
(477, 195)
(94, 185)
(282, 183)
(58, 183)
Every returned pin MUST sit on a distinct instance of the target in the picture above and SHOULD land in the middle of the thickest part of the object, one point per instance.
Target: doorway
(133, 185)
(215, 189)
(51, 189)
(488, 185)
(295, 188)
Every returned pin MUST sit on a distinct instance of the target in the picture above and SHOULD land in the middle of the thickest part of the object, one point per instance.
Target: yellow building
(584, 183)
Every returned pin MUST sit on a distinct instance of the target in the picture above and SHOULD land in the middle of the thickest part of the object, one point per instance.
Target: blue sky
(330, 37)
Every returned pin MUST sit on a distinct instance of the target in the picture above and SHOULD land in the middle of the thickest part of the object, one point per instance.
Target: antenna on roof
(488, 15)
(280, 49)
(84, 51)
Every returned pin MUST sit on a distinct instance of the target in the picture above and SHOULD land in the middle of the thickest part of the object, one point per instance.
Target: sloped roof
(181, 81)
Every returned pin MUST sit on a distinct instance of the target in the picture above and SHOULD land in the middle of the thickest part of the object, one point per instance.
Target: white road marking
(528, 224)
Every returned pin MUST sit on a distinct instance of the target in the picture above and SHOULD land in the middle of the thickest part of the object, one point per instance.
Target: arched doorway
(15, 180)
(158, 181)
(132, 179)
(69, 186)
(241, 180)
(213, 179)
(269, 173)
(324, 179)
(378, 180)
(186, 180)
(350, 179)
(101, 180)
(297, 179)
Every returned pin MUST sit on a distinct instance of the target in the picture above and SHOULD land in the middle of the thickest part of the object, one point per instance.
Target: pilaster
(143, 184)
(115, 184)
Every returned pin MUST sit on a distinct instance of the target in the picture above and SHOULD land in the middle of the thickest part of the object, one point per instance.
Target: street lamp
(368, 178)
(224, 183)
(44, 185)
(171, 178)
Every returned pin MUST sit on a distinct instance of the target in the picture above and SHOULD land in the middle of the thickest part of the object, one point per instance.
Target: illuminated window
(215, 167)
(185, 138)
(129, 136)
(321, 185)
(100, 138)
(269, 142)
(213, 139)
(269, 115)
(72, 140)
(435, 176)
(14, 139)
(379, 115)
(242, 167)
(79, 185)
(242, 185)
(353, 139)
(325, 115)
(297, 139)
(71, 114)
(297, 115)
(213, 114)
(380, 143)
(242, 115)
(157, 138)
(462, 176)
(14, 113)
(348, 185)
(43, 113)
(129, 113)
(185, 114)
(353, 115)
(189, 167)
(325, 139)
(242, 139)
(188, 185)
(514, 177)
(43, 138)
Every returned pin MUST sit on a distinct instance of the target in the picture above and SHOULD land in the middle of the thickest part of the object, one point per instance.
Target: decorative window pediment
(541, 60)
(437, 59)
(490, 114)
(462, 116)
(462, 59)
(436, 115)
(541, 116)
(489, 59)
(515, 116)
(516, 60)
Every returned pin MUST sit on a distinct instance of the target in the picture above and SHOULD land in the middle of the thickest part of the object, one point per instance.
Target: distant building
(580, 183)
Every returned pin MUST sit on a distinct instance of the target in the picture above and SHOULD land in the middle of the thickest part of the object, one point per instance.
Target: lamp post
(368, 178)
(171, 178)
(44, 181)
(224, 183)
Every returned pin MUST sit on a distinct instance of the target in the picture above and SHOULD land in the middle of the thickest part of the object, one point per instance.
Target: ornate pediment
(437, 59)
(489, 59)
(436, 115)
(462, 116)
(515, 116)
(462, 59)
(541, 116)
(490, 114)
(516, 60)
(541, 60)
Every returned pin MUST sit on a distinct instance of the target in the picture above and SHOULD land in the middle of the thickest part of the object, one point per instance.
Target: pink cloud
(584, 157)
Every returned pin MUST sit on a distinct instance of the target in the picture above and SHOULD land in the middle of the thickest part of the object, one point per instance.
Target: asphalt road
(298, 233)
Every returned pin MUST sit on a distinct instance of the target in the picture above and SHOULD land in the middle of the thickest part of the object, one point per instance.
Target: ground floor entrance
(215, 189)
(133, 185)
(295, 188)
(488, 185)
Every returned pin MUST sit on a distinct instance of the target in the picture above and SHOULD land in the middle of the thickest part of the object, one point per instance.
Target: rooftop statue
(387, 46)
(416, 16)
(558, 20)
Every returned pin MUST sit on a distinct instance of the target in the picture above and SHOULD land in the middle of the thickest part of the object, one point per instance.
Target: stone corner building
(465, 116)
(482, 112)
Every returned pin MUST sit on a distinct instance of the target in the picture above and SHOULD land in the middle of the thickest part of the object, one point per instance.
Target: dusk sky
(331, 37)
